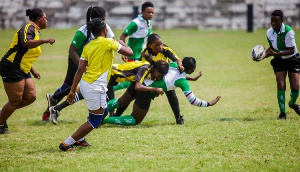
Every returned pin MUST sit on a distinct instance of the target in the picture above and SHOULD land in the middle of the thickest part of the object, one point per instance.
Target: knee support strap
(96, 119)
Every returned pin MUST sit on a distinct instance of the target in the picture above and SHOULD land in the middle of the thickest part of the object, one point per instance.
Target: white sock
(82, 138)
(70, 141)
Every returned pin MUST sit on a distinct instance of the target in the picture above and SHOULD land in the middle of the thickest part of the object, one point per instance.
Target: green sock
(281, 100)
(112, 104)
(121, 120)
(122, 85)
(294, 96)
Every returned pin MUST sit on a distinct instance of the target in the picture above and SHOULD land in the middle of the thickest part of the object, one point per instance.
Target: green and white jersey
(174, 79)
(171, 80)
(138, 30)
(280, 41)
(79, 41)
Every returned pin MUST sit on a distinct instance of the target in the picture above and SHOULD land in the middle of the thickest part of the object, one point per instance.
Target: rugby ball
(258, 53)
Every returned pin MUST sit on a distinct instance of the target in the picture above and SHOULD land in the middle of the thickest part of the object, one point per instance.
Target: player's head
(154, 44)
(95, 12)
(37, 16)
(148, 10)
(276, 19)
(97, 26)
(159, 70)
(189, 64)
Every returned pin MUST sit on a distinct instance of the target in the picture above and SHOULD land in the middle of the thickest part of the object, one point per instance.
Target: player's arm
(125, 49)
(288, 51)
(74, 55)
(27, 39)
(141, 87)
(35, 43)
(184, 85)
(35, 73)
(172, 55)
(81, 69)
(194, 78)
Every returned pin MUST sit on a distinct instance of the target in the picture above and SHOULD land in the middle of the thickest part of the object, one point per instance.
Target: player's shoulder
(83, 29)
(270, 31)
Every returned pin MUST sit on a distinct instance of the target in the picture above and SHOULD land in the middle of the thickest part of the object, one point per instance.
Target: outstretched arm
(198, 102)
(194, 78)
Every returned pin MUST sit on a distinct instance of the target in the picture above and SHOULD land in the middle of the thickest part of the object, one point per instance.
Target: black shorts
(291, 64)
(72, 68)
(142, 98)
(11, 73)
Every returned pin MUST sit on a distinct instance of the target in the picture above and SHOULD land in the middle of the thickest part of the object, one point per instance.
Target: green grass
(240, 133)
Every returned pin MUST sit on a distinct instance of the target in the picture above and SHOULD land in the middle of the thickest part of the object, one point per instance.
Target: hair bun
(28, 12)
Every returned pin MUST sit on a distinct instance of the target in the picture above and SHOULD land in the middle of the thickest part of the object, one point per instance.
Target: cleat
(5, 125)
(281, 116)
(46, 116)
(82, 143)
(64, 147)
(4, 130)
(296, 108)
(53, 115)
(51, 101)
(180, 120)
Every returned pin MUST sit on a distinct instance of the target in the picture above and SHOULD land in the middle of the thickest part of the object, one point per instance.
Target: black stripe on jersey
(168, 52)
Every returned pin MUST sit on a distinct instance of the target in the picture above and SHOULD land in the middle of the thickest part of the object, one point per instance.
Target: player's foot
(65, 147)
(51, 101)
(53, 115)
(82, 143)
(296, 108)
(282, 116)
(180, 120)
(46, 116)
(4, 130)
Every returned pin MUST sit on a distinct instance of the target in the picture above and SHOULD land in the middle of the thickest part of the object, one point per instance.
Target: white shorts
(94, 95)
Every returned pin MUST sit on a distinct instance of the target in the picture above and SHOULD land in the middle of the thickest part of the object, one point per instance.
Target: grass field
(240, 133)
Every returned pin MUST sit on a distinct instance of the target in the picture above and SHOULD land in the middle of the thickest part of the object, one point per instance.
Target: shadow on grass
(44, 123)
(145, 124)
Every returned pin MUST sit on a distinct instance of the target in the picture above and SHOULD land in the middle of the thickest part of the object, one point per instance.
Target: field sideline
(240, 133)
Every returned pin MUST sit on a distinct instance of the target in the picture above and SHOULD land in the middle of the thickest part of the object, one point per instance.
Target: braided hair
(92, 13)
(161, 66)
(34, 13)
(96, 26)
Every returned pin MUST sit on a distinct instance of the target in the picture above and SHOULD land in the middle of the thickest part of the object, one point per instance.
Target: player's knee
(96, 119)
(31, 99)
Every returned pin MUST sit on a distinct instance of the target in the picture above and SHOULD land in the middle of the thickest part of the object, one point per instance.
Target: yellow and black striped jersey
(133, 71)
(166, 54)
(18, 54)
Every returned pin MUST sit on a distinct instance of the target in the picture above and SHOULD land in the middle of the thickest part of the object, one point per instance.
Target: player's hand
(214, 101)
(70, 97)
(269, 52)
(181, 68)
(159, 91)
(124, 58)
(36, 75)
(51, 41)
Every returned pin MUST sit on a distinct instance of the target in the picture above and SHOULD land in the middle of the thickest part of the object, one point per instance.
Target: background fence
(200, 14)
